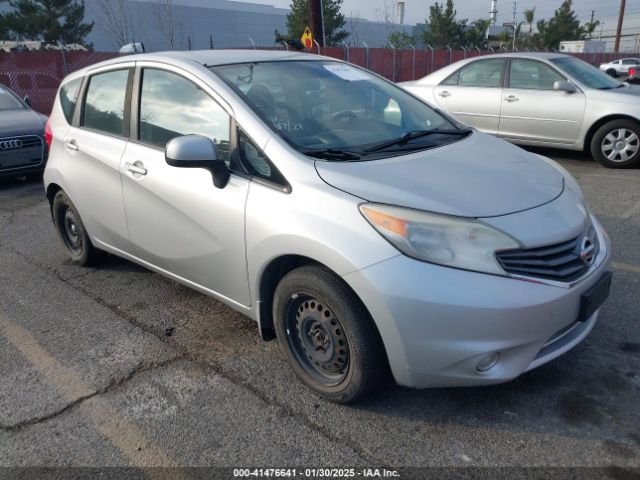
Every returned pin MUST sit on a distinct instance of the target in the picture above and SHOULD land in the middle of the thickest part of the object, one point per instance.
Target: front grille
(27, 141)
(562, 262)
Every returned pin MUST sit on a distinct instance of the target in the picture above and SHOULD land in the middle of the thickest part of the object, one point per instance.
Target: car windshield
(586, 74)
(336, 111)
(8, 101)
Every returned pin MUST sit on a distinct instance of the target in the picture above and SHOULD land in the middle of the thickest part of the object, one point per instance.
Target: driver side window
(171, 106)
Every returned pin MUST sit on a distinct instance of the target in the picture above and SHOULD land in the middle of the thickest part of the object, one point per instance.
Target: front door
(178, 220)
(533, 111)
(473, 94)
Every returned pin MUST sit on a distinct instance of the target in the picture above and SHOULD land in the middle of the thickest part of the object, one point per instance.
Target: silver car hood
(480, 176)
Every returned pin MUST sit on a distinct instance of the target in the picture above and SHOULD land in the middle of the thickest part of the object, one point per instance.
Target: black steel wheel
(72, 232)
(327, 335)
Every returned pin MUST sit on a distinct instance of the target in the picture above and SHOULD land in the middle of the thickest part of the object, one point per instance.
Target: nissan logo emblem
(587, 250)
(10, 144)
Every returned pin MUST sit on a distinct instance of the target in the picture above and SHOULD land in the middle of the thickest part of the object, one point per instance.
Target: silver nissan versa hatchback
(367, 231)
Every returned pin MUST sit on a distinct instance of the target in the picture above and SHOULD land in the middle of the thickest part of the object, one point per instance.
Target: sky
(417, 10)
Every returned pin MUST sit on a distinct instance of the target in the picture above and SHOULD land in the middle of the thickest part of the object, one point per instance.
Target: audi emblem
(587, 250)
(10, 144)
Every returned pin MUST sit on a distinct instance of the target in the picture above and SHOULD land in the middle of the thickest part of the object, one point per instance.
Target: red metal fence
(38, 74)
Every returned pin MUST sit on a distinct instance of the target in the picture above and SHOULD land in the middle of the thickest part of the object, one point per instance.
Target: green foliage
(299, 18)
(476, 34)
(564, 25)
(401, 40)
(47, 20)
(444, 30)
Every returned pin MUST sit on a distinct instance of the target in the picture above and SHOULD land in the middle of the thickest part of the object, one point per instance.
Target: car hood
(21, 122)
(480, 176)
(628, 93)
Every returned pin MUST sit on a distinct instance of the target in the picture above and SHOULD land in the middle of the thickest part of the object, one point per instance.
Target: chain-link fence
(38, 74)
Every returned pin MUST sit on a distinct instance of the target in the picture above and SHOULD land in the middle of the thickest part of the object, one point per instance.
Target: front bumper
(437, 323)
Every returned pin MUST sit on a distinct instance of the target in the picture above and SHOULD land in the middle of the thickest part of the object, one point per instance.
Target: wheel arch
(52, 189)
(602, 121)
(275, 270)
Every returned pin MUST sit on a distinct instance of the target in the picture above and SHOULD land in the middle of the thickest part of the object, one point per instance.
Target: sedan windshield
(336, 111)
(8, 101)
(586, 74)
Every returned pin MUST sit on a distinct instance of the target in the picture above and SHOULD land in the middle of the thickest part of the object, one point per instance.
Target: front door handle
(71, 144)
(445, 94)
(511, 98)
(137, 168)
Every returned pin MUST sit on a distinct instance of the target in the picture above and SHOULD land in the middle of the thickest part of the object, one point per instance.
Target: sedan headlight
(450, 241)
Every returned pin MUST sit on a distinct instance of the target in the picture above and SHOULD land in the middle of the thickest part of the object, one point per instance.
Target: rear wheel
(617, 144)
(327, 336)
(72, 232)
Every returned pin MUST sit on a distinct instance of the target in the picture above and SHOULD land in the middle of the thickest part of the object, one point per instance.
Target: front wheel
(327, 336)
(616, 144)
(611, 72)
(72, 232)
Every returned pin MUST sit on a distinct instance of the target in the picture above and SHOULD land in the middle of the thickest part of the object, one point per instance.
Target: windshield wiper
(332, 154)
(405, 138)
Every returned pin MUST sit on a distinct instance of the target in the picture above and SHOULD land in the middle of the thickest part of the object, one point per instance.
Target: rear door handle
(137, 168)
(511, 98)
(445, 94)
(71, 144)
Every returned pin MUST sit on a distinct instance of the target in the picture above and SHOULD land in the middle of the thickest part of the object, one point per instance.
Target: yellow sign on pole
(307, 39)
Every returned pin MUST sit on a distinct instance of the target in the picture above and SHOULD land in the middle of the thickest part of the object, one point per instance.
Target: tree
(400, 39)
(590, 27)
(444, 30)
(476, 34)
(49, 21)
(170, 22)
(564, 25)
(116, 22)
(529, 16)
(334, 21)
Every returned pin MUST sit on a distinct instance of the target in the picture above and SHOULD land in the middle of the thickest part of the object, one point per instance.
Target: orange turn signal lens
(387, 222)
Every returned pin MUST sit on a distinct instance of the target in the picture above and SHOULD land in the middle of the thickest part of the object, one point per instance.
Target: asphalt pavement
(118, 366)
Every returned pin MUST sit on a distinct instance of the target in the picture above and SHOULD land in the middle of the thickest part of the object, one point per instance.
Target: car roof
(442, 73)
(207, 58)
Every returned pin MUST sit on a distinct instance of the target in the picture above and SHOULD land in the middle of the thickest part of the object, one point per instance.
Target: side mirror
(197, 151)
(27, 100)
(564, 86)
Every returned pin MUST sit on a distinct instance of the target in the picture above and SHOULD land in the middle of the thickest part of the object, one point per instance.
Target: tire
(344, 360)
(73, 233)
(611, 72)
(617, 133)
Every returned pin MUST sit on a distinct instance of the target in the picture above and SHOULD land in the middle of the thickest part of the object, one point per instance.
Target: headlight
(450, 241)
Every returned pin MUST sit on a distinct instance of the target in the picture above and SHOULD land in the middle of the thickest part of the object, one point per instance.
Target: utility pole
(316, 20)
(593, 14)
(515, 23)
(616, 46)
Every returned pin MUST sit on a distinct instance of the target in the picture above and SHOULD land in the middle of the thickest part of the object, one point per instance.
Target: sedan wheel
(617, 144)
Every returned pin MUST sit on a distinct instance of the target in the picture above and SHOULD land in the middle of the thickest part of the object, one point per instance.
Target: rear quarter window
(69, 98)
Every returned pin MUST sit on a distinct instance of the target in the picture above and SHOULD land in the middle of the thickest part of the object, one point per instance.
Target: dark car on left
(23, 146)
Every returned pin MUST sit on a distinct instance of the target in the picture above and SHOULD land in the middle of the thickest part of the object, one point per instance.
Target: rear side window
(69, 97)
(105, 102)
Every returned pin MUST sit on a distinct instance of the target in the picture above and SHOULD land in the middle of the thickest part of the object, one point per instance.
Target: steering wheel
(347, 115)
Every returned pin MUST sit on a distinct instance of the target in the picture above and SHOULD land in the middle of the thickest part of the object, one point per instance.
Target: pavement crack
(141, 368)
(368, 458)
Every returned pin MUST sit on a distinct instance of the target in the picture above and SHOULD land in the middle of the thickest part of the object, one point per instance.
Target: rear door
(533, 111)
(473, 94)
(178, 220)
(93, 148)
